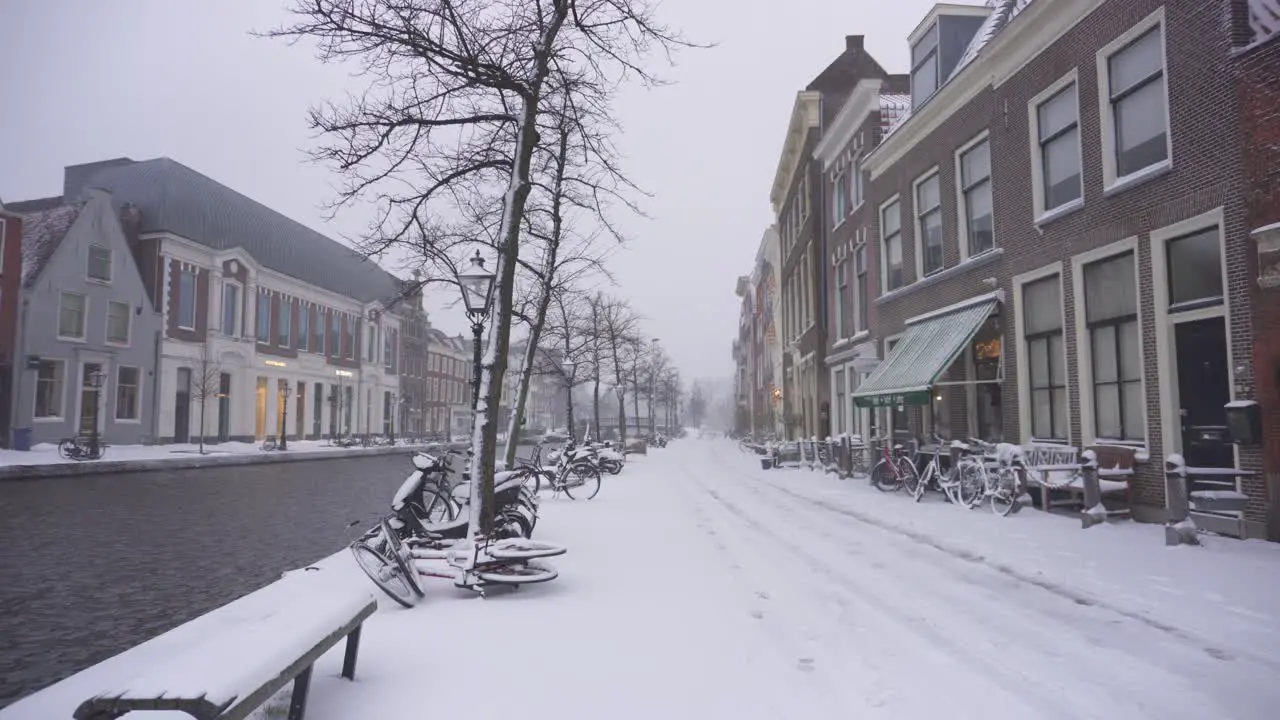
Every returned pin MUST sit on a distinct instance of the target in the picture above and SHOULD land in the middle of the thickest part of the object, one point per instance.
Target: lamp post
(95, 379)
(285, 391)
(477, 295)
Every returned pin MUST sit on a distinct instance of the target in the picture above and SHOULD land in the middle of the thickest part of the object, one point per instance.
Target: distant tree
(697, 404)
(206, 382)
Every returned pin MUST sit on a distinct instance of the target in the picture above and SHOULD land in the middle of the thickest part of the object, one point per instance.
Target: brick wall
(1258, 87)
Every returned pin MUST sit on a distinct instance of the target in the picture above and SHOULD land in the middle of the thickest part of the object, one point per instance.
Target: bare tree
(618, 327)
(206, 382)
(568, 345)
(457, 89)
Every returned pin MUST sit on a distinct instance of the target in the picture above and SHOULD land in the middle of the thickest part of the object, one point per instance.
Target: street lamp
(285, 391)
(477, 295)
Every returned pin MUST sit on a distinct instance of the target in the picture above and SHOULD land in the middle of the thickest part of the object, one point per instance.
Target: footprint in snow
(762, 595)
(757, 614)
(805, 664)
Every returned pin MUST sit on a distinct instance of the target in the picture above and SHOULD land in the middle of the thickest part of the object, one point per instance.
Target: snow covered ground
(699, 586)
(47, 453)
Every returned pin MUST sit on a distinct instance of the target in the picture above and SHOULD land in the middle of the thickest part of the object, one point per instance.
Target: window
(118, 315)
(348, 341)
(230, 309)
(264, 318)
(49, 378)
(929, 225)
(855, 187)
(839, 194)
(127, 386)
(187, 299)
(71, 316)
(844, 300)
(1136, 119)
(924, 67)
(99, 263)
(1056, 161)
(1046, 364)
(371, 350)
(862, 291)
(1111, 316)
(389, 350)
(284, 328)
(335, 323)
(977, 230)
(839, 407)
(304, 327)
(1195, 270)
(891, 237)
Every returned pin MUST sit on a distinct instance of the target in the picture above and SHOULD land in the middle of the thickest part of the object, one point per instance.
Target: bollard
(1094, 511)
(1181, 529)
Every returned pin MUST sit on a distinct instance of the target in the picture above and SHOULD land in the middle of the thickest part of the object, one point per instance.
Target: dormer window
(924, 66)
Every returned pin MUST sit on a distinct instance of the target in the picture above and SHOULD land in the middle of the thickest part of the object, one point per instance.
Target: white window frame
(304, 326)
(1019, 353)
(84, 318)
(128, 320)
(1084, 347)
(932, 32)
(62, 395)
(839, 199)
(962, 209)
(1110, 183)
(841, 270)
(1037, 162)
(286, 323)
(88, 262)
(195, 298)
(222, 309)
(116, 397)
(1166, 358)
(857, 189)
(884, 256)
(918, 226)
(258, 318)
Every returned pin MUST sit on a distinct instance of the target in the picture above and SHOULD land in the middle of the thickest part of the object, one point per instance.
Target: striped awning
(928, 347)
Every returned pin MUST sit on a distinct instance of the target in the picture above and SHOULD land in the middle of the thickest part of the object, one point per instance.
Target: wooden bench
(258, 644)
(1056, 468)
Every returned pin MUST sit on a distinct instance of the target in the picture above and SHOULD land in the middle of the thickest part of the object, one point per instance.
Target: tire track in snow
(1109, 670)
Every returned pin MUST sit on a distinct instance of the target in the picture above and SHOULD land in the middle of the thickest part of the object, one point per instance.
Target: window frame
(930, 34)
(1084, 341)
(965, 240)
(842, 286)
(918, 218)
(284, 328)
(304, 326)
(884, 249)
(84, 317)
(137, 396)
(128, 324)
(185, 272)
(237, 310)
(1111, 182)
(60, 397)
(1046, 337)
(88, 270)
(839, 199)
(861, 288)
(1040, 213)
(262, 320)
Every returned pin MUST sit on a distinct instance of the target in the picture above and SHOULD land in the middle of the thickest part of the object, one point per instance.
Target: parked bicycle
(577, 472)
(80, 448)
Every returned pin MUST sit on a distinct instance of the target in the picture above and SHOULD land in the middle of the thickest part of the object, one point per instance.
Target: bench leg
(298, 703)
(349, 658)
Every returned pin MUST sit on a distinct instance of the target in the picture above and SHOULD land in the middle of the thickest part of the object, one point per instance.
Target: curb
(178, 462)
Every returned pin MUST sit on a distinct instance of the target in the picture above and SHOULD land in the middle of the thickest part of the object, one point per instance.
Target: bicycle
(79, 449)
(393, 564)
(894, 471)
(1004, 487)
(577, 474)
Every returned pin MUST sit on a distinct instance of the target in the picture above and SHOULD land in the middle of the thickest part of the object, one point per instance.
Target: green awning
(927, 348)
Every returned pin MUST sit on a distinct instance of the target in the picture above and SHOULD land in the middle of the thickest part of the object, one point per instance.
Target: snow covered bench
(1056, 469)
(259, 643)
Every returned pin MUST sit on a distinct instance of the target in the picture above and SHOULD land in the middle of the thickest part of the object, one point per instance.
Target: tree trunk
(622, 415)
(635, 395)
(595, 405)
(485, 435)
(203, 397)
(522, 395)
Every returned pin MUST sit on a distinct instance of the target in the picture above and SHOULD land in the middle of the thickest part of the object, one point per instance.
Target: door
(92, 383)
(1204, 388)
(224, 407)
(182, 407)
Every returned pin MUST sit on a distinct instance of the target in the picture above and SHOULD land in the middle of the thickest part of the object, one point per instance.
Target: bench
(241, 654)
(1056, 468)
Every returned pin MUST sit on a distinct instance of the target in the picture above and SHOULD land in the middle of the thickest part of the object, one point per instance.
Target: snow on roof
(893, 108)
(42, 233)
(1264, 18)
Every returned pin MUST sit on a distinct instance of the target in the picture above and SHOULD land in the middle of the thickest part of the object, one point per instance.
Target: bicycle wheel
(403, 557)
(911, 481)
(524, 549)
(525, 573)
(384, 573)
(66, 448)
(586, 483)
(884, 478)
(1003, 499)
(972, 481)
(438, 506)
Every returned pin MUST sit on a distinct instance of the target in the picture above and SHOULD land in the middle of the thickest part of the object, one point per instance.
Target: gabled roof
(176, 199)
(42, 233)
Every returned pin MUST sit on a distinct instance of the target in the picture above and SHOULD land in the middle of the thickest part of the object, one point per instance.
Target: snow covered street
(699, 586)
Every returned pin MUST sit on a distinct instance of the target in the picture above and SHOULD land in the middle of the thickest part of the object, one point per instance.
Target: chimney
(853, 43)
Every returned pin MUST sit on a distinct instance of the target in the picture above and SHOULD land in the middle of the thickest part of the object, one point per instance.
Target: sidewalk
(43, 459)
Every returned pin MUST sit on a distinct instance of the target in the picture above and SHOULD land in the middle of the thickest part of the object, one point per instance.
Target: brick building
(799, 205)
(10, 287)
(1258, 88)
(1070, 212)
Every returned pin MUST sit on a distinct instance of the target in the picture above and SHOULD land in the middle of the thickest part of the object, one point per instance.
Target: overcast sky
(89, 80)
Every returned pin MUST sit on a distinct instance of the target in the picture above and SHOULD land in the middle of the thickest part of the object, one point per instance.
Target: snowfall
(698, 585)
